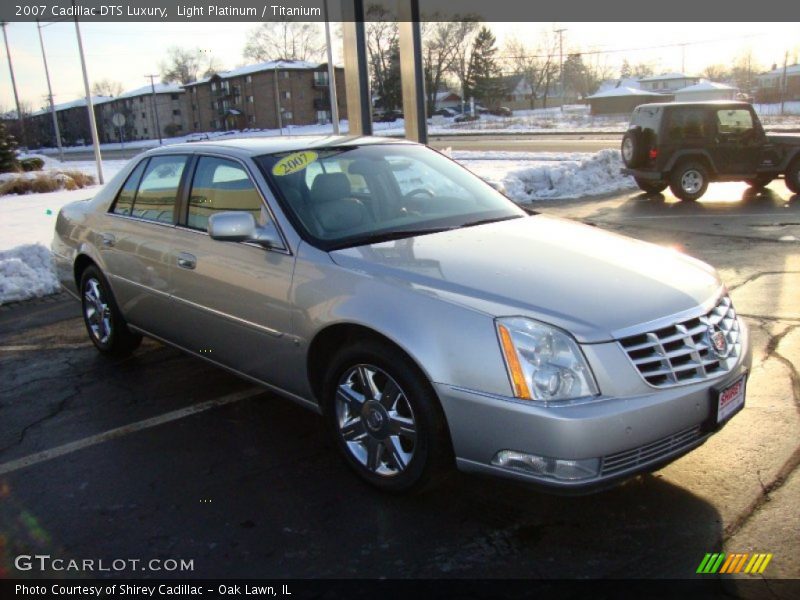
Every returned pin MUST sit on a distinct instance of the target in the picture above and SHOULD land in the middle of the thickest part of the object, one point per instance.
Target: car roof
(699, 103)
(256, 146)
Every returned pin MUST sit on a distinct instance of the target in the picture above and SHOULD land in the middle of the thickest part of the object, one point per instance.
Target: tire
(649, 186)
(398, 443)
(760, 181)
(689, 180)
(633, 148)
(106, 327)
(792, 176)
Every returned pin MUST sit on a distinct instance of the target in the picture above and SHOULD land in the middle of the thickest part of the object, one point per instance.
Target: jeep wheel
(792, 176)
(649, 186)
(760, 181)
(633, 148)
(688, 181)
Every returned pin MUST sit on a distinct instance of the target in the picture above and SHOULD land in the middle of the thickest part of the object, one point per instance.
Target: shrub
(51, 181)
(34, 163)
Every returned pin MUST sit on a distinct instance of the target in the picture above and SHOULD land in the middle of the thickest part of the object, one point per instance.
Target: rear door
(136, 238)
(738, 142)
(231, 300)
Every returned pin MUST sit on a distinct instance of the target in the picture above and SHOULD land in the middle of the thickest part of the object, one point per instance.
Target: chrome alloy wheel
(627, 149)
(375, 420)
(692, 181)
(96, 311)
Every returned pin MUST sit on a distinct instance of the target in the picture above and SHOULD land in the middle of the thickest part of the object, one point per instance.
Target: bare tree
(744, 69)
(716, 73)
(285, 39)
(463, 51)
(538, 64)
(181, 66)
(383, 50)
(441, 44)
(106, 87)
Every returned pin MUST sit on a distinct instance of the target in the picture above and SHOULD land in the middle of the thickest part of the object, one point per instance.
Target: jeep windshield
(348, 196)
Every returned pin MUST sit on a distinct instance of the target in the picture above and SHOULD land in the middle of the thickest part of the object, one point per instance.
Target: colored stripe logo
(734, 563)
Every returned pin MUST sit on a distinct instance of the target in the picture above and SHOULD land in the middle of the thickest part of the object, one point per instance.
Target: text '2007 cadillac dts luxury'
(427, 317)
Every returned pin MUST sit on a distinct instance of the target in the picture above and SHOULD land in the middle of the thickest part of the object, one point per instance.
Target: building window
(196, 125)
(250, 100)
(194, 106)
(286, 74)
(174, 96)
(144, 116)
(286, 95)
(194, 90)
(251, 119)
(213, 86)
(249, 79)
(176, 112)
(287, 115)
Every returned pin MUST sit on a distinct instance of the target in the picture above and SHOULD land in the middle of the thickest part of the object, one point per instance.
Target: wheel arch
(82, 261)
(700, 156)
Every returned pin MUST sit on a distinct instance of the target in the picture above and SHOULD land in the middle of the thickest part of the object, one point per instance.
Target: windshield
(358, 195)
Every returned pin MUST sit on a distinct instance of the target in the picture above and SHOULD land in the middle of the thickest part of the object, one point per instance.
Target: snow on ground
(27, 222)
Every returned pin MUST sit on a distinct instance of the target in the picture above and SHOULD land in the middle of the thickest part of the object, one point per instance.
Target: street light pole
(154, 107)
(92, 122)
(560, 33)
(50, 95)
(331, 73)
(277, 98)
(20, 117)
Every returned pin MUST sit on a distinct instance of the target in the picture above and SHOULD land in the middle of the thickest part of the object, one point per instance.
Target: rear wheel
(649, 186)
(385, 417)
(792, 176)
(760, 181)
(689, 180)
(105, 324)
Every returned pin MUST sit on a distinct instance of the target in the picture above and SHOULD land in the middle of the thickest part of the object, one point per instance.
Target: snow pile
(548, 176)
(26, 272)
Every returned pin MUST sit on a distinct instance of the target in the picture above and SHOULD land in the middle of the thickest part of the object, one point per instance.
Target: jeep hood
(590, 282)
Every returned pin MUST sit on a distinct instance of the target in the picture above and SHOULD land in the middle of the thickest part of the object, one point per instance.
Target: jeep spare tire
(633, 148)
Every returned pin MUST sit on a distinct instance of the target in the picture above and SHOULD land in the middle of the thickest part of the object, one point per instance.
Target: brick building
(246, 97)
(140, 120)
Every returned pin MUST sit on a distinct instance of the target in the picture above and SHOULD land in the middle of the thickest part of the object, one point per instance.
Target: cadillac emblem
(718, 341)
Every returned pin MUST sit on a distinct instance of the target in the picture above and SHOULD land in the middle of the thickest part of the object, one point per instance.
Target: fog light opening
(546, 467)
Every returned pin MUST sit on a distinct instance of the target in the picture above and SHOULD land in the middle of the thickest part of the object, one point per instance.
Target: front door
(231, 300)
(737, 143)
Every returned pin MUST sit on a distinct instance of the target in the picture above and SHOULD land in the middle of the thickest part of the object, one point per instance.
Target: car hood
(590, 282)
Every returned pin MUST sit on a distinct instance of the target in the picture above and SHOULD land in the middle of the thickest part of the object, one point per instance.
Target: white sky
(126, 52)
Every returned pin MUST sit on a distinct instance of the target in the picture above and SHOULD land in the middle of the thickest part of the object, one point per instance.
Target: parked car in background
(389, 116)
(466, 118)
(501, 111)
(687, 145)
(430, 320)
(446, 112)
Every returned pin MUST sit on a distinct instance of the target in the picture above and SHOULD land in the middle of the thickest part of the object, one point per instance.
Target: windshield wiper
(388, 236)
(493, 220)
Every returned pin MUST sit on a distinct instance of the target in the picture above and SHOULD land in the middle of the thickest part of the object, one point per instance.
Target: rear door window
(155, 199)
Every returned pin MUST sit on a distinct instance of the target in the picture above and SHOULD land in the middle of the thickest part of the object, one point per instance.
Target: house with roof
(667, 83)
(770, 84)
(447, 99)
(622, 100)
(253, 96)
(706, 91)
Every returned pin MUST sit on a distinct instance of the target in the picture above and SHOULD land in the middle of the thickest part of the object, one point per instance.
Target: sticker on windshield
(294, 162)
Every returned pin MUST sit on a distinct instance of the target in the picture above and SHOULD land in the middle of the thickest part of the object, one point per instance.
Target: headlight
(544, 363)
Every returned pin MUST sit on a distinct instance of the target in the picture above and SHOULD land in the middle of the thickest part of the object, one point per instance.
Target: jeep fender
(698, 154)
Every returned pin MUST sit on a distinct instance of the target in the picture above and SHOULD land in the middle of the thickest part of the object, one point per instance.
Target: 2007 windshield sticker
(293, 163)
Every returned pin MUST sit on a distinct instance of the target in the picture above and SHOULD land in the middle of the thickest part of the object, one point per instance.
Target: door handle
(108, 240)
(186, 260)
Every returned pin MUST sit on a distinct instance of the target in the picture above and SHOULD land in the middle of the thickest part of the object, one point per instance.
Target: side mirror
(241, 226)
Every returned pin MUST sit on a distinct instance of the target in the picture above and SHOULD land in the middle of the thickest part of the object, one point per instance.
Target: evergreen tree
(8, 151)
(482, 80)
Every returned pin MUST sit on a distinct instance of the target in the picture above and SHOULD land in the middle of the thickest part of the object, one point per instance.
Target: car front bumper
(623, 435)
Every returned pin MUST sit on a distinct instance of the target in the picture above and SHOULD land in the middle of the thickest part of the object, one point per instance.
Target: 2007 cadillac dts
(428, 318)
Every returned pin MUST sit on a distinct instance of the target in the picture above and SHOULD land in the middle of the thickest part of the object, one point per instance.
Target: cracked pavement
(255, 489)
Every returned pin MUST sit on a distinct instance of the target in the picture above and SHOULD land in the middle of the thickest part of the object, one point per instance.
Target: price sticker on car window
(294, 163)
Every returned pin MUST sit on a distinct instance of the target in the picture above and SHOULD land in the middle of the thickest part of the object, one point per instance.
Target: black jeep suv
(686, 145)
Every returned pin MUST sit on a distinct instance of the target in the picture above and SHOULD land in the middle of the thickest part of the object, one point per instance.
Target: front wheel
(649, 186)
(792, 176)
(105, 324)
(385, 417)
(689, 181)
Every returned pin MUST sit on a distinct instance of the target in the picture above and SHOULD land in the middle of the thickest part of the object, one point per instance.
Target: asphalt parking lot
(162, 456)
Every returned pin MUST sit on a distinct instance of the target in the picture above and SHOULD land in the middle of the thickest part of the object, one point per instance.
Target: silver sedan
(428, 318)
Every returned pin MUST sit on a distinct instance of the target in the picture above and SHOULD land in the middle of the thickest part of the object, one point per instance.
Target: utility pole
(277, 98)
(92, 122)
(783, 81)
(331, 73)
(683, 59)
(560, 33)
(50, 95)
(20, 116)
(153, 104)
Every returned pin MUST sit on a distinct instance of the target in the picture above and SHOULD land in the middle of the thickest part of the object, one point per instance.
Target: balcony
(320, 80)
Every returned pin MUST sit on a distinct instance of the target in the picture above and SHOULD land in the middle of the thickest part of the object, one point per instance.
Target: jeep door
(738, 141)
(231, 299)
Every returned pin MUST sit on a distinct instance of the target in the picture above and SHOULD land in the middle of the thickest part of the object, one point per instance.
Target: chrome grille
(622, 461)
(684, 352)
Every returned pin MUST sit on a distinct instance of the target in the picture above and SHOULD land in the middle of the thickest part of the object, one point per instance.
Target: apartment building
(253, 96)
(145, 113)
